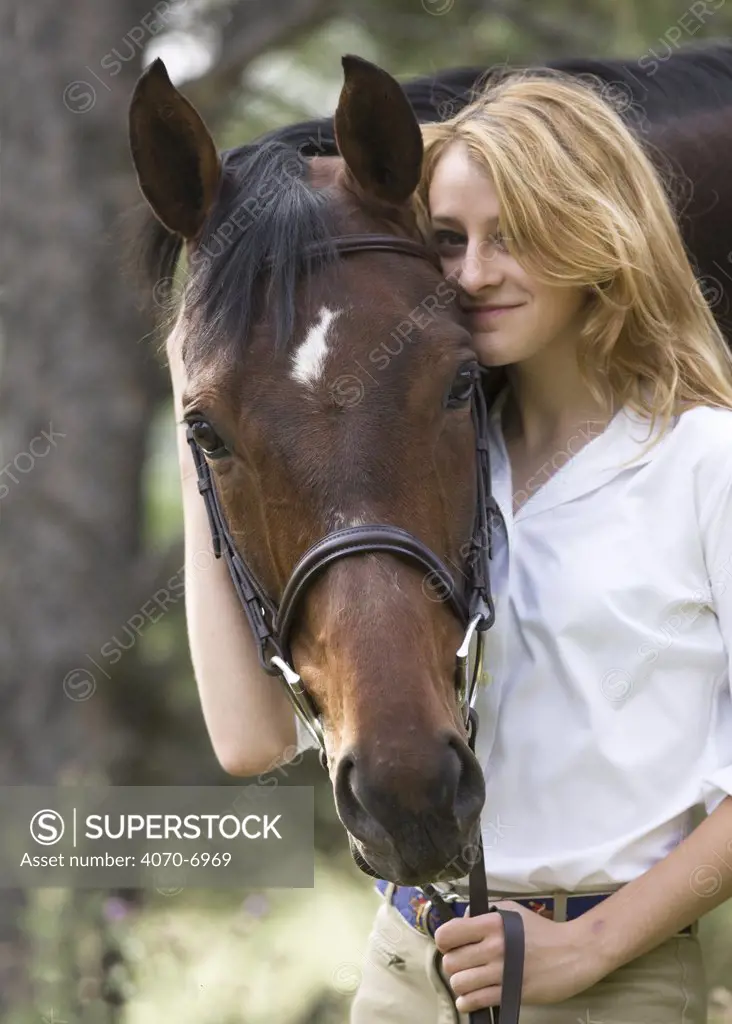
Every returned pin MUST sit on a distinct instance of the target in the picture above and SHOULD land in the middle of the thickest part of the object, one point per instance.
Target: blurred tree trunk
(77, 389)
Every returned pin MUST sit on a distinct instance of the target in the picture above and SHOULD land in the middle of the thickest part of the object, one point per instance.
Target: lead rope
(513, 925)
(513, 930)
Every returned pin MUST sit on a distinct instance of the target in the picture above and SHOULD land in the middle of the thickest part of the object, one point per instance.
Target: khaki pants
(401, 984)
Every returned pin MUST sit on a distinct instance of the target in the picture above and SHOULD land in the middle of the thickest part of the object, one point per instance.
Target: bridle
(272, 624)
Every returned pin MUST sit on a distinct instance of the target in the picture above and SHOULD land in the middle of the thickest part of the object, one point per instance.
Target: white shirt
(607, 716)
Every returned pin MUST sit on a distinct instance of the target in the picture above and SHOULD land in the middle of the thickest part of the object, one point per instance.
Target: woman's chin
(493, 350)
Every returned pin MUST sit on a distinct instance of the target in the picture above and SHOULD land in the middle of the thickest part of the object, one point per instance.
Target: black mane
(267, 213)
(266, 218)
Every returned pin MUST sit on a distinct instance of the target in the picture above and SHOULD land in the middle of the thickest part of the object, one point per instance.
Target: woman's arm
(694, 878)
(249, 718)
(564, 959)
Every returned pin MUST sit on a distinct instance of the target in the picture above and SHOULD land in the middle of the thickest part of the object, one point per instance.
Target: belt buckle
(434, 898)
(542, 906)
(450, 897)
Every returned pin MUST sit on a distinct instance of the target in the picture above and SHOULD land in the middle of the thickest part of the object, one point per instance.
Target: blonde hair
(581, 204)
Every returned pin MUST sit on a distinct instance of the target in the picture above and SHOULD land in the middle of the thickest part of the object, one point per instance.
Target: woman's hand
(559, 960)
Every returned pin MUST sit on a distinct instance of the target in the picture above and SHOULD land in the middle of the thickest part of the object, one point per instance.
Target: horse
(333, 390)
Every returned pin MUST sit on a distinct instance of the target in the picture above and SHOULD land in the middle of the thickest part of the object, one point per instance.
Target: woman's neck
(548, 399)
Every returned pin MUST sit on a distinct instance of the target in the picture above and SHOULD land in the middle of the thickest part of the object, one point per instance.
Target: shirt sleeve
(714, 497)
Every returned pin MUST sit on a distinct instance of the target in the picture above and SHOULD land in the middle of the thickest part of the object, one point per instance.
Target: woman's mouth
(483, 315)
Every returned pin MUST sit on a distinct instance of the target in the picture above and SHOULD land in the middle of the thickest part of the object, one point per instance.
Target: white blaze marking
(309, 360)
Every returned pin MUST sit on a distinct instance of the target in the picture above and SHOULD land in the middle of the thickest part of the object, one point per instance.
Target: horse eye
(461, 389)
(207, 439)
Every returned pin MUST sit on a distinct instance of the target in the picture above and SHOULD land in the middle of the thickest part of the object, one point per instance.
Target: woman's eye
(463, 385)
(207, 439)
(449, 240)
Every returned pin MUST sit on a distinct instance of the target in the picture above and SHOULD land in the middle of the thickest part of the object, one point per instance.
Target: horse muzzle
(413, 823)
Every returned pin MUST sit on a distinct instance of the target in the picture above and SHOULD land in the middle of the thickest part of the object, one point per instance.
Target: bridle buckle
(300, 699)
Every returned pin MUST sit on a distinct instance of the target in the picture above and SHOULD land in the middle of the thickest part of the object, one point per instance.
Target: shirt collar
(620, 447)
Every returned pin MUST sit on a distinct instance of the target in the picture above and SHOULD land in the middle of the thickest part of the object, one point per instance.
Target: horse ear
(377, 133)
(174, 155)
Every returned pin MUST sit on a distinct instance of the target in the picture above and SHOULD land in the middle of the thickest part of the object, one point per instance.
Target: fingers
(463, 930)
(464, 983)
(475, 954)
(479, 1000)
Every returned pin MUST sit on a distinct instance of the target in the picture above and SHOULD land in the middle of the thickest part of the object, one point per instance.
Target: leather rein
(272, 624)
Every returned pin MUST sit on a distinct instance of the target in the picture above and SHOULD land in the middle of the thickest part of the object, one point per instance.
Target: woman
(608, 721)
(607, 724)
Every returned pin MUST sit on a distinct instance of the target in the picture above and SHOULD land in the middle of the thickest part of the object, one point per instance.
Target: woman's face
(511, 315)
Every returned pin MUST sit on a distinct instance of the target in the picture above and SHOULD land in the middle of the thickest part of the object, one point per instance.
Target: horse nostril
(470, 792)
(358, 820)
(343, 789)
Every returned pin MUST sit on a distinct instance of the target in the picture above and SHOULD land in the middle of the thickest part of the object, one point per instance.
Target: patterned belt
(417, 910)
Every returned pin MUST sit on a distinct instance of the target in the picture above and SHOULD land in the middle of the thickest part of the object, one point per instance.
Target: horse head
(328, 392)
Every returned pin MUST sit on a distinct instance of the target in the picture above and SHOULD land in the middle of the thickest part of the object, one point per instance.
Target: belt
(418, 911)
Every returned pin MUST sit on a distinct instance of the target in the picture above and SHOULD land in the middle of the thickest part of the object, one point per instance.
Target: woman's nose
(480, 268)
